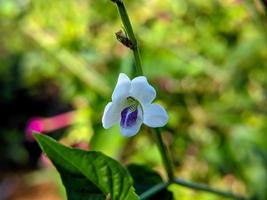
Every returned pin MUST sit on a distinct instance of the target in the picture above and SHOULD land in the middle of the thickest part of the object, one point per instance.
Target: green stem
(128, 27)
(163, 151)
(154, 190)
(138, 63)
(196, 186)
(203, 187)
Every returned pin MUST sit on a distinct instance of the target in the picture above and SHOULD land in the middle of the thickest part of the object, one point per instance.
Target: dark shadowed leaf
(145, 178)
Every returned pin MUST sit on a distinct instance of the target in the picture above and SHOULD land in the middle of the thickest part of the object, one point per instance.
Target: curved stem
(154, 190)
(203, 187)
(196, 186)
(128, 27)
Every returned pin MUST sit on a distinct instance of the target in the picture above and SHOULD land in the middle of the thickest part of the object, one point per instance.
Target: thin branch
(206, 188)
(154, 190)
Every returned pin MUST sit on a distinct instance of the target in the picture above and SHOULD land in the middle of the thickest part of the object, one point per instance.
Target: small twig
(154, 190)
(196, 186)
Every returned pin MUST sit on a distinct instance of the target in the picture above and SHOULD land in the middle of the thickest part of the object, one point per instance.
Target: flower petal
(111, 114)
(122, 88)
(133, 129)
(155, 115)
(142, 91)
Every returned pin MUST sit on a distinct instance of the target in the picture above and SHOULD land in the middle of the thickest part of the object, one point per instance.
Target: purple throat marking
(128, 117)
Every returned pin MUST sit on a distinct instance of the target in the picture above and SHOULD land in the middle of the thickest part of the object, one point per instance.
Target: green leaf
(88, 175)
(151, 179)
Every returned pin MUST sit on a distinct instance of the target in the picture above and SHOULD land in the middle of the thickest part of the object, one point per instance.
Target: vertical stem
(165, 158)
(128, 27)
(137, 59)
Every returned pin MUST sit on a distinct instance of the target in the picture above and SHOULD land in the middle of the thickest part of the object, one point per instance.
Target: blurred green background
(206, 59)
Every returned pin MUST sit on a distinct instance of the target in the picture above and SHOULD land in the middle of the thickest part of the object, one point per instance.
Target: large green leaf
(88, 175)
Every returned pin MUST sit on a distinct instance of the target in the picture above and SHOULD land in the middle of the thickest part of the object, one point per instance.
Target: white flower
(132, 105)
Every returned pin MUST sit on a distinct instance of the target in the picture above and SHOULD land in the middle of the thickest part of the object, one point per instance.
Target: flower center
(130, 113)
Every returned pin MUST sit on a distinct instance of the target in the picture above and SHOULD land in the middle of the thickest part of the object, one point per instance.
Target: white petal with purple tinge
(142, 91)
(122, 88)
(111, 114)
(155, 115)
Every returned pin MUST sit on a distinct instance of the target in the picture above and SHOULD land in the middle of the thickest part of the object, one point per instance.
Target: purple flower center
(129, 116)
